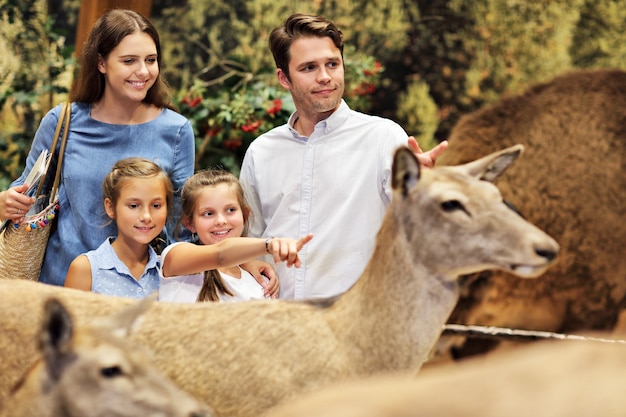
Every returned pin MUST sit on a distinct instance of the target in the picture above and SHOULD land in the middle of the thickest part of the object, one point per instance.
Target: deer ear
(126, 320)
(55, 337)
(405, 171)
(490, 167)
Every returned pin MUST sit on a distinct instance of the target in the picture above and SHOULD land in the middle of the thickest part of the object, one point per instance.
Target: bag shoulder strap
(64, 120)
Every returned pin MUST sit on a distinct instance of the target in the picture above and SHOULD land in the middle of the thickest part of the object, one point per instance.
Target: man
(327, 171)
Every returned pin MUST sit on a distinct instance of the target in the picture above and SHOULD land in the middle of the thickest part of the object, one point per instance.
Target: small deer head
(94, 371)
(458, 221)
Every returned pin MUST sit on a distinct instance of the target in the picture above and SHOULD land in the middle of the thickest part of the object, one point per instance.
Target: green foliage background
(441, 58)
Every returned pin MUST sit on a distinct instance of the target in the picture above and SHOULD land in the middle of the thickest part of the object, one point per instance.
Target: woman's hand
(14, 204)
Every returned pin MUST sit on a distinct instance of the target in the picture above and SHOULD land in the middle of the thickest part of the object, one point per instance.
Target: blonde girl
(213, 207)
(137, 195)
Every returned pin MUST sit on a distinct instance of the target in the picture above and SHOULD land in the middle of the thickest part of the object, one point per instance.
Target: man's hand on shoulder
(426, 159)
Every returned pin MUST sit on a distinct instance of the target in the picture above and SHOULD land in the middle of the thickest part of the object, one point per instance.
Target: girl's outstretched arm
(188, 258)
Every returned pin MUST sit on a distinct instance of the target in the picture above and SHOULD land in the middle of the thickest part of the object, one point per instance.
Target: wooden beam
(91, 10)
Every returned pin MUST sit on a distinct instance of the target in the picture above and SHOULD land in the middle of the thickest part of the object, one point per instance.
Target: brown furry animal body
(571, 183)
(546, 379)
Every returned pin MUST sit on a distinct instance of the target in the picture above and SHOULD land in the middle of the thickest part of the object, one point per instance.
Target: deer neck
(400, 302)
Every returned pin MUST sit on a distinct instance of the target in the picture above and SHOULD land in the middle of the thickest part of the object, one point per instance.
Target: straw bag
(23, 244)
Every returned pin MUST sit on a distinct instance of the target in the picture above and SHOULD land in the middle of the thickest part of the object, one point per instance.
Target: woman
(119, 109)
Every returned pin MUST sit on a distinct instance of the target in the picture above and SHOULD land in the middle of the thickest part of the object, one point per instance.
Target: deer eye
(111, 371)
(452, 205)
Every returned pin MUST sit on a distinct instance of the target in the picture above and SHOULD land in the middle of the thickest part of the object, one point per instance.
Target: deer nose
(548, 253)
(201, 414)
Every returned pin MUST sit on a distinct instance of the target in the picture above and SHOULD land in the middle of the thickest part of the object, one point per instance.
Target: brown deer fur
(555, 379)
